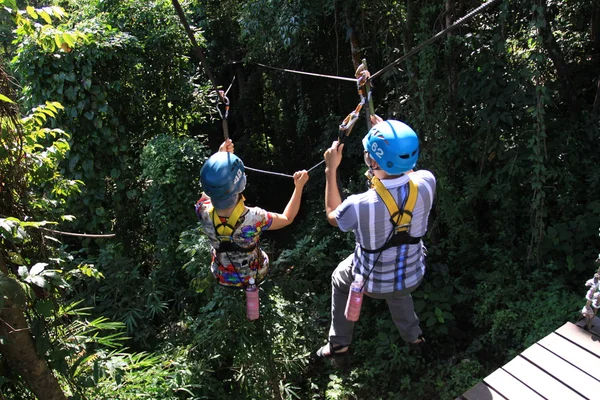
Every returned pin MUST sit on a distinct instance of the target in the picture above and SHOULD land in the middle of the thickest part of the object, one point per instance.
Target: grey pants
(399, 302)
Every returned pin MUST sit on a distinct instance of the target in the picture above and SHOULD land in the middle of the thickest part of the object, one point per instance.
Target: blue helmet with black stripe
(393, 145)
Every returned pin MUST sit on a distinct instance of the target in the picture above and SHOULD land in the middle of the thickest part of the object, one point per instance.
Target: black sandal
(333, 351)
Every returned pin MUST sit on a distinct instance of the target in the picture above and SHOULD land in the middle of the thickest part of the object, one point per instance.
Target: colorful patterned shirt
(234, 268)
(367, 216)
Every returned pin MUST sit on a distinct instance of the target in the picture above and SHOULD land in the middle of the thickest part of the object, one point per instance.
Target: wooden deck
(564, 365)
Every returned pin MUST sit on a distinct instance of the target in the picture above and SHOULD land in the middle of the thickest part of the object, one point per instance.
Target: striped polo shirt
(367, 216)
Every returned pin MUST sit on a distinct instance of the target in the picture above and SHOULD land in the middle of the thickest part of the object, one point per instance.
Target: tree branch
(13, 329)
(597, 98)
(87, 235)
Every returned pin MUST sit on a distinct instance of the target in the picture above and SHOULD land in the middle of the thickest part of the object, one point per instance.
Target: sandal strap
(333, 351)
(336, 349)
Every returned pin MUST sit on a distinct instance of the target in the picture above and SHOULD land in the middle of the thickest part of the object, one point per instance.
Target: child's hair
(223, 179)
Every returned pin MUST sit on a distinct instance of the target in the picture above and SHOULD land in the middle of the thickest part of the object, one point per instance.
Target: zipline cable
(452, 27)
(339, 78)
(221, 94)
(432, 39)
(200, 55)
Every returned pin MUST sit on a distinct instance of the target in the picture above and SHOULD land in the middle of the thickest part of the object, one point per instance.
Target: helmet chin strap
(369, 162)
(370, 172)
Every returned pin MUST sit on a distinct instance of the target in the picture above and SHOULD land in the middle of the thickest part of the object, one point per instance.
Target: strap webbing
(225, 229)
(400, 221)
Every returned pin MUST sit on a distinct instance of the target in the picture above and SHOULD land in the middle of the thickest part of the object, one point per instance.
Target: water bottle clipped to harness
(355, 297)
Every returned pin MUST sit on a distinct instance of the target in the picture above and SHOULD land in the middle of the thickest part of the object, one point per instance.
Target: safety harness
(225, 229)
(400, 219)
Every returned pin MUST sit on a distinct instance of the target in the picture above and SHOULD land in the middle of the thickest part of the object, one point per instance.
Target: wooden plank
(540, 381)
(568, 351)
(595, 328)
(580, 337)
(576, 379)
(510, 387)
(482, 392)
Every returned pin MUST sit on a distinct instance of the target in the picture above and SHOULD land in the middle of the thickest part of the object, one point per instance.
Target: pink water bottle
(355, 297)
(252, 300)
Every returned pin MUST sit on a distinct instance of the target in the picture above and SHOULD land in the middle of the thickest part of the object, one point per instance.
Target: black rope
(452, 27)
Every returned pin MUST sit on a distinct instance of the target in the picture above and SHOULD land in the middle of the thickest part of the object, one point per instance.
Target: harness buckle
(403, 228)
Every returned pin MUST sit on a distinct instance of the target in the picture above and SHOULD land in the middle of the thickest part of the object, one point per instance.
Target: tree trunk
(354, 44)
(562, 68)
(20, 353)
(595, 52)
(452, 69)
(597, 98)
(595, 32)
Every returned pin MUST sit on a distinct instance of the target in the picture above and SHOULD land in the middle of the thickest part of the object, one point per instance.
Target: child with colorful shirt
(234, 229)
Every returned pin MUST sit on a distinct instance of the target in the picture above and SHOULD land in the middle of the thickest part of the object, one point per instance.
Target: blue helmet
(394, 145)
(222, 177)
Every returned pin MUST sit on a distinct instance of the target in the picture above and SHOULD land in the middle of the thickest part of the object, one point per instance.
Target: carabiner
(225, 101)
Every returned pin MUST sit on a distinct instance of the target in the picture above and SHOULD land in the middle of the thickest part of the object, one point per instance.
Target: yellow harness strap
(400, 221)
(225, 229)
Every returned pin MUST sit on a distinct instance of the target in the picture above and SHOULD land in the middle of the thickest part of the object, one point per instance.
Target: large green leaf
(12, 4)
(6, 99)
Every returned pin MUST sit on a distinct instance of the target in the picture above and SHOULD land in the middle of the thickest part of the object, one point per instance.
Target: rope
(230, 85)
(319, 163)
(279, 173)
(339, 78)
(452, 27)
(268, 172)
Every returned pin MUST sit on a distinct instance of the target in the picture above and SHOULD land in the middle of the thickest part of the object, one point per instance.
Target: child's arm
(291, 210)
(227, 146)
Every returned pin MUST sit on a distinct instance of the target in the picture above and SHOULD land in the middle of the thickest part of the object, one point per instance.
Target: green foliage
(515, 312)
(435, 299)
(170, 168)
(196, 248)
(448, 380)
(509, 133)
(37, 25)
(31, 154)
(115, 103)
(252, 359)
